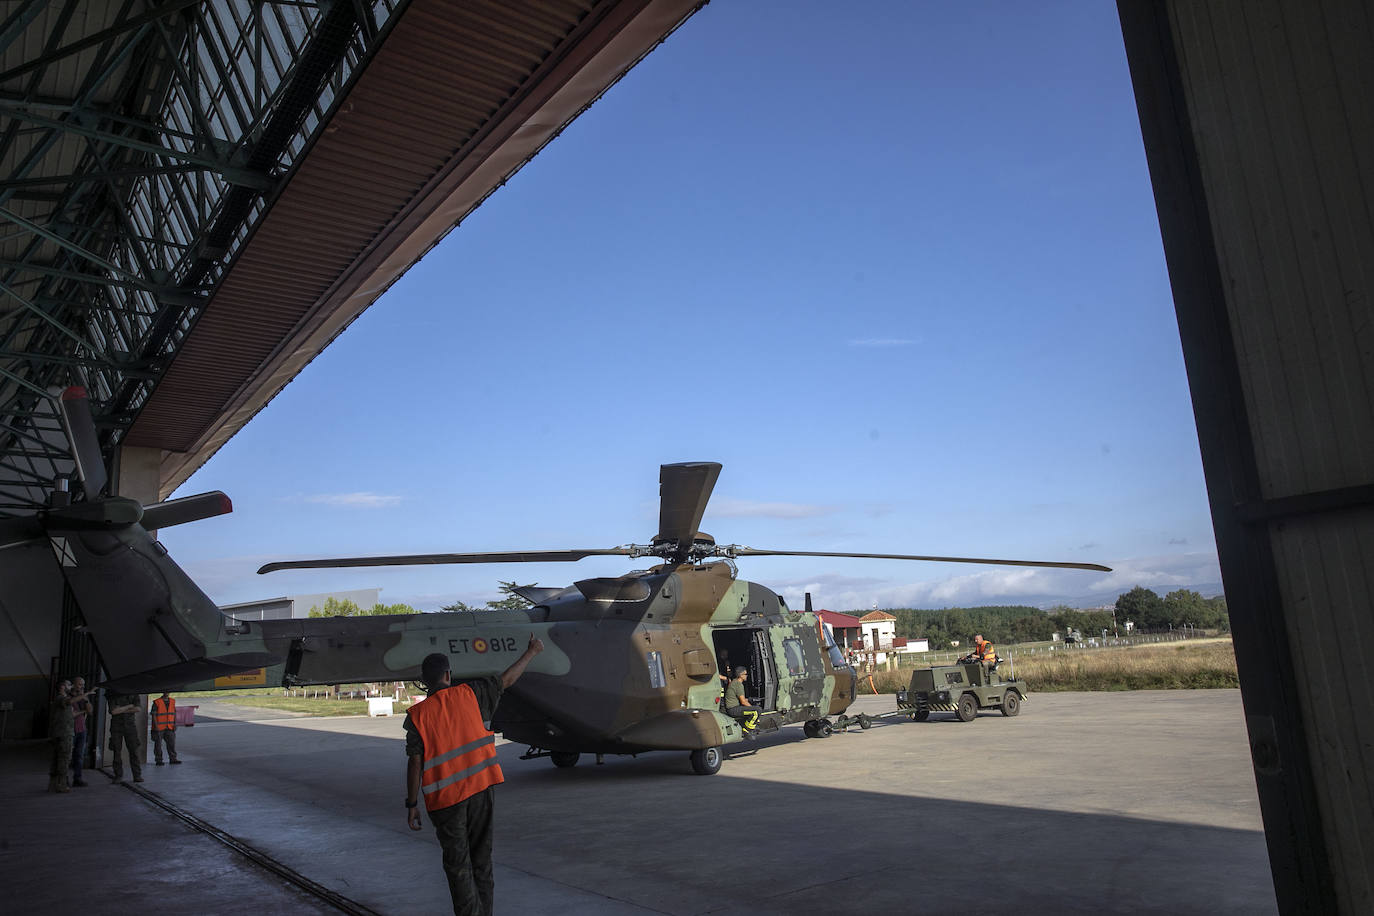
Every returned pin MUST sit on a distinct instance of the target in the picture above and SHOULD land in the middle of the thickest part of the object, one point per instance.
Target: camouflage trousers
(464, 832)
(169, 736)
(125, 736)
(61, 758)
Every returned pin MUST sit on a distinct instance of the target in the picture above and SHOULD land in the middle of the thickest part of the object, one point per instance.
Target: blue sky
(900, 272)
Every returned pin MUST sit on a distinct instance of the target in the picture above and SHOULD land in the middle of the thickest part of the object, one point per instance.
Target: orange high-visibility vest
(986, 652)
(460, 754)
(164, 714)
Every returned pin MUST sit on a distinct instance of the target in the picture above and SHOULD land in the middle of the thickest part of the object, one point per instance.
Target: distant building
(879, 630)
(292, 606)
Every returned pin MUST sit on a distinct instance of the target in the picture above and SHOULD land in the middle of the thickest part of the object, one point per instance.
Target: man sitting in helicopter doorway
(737, 705)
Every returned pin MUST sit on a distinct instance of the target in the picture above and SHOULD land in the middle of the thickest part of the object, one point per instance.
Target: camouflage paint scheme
(596, 688)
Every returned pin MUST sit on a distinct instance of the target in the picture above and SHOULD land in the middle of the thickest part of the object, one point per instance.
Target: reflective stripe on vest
(164, 714)
(460, 754)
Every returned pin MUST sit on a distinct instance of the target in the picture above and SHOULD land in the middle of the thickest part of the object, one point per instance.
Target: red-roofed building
(845, 627)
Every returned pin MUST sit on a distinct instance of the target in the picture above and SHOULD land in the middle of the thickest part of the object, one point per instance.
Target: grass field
(308, 705)
(1196, 663)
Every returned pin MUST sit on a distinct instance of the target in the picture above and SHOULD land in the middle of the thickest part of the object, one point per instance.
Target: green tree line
(1021, 623)
(334, 607)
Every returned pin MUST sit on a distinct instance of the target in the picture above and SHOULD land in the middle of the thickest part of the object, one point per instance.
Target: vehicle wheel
(707, 761)
(967, 708)
(564, 759)
(1011, 703)
(865, 722)
(810, 728)
(920, 715)
(824, 729)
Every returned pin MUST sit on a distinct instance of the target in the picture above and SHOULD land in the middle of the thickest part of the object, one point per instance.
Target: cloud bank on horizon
(1008, 586)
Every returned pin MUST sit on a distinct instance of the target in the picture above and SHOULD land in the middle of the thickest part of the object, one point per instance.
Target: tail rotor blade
(186, 509)
(79, 426)
(683, 491)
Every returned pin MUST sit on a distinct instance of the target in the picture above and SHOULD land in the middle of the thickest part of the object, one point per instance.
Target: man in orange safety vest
(452, 763)
(162, 722)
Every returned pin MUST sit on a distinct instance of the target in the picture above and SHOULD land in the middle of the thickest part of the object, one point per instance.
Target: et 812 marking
(481, 645)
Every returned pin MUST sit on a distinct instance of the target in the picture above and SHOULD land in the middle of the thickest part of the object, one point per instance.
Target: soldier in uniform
(124, 733)
(60, 721)
(81, 715)
(737, 705)
(452, 762)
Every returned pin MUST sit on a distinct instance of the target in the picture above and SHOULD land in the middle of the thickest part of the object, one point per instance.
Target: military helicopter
(631, 662)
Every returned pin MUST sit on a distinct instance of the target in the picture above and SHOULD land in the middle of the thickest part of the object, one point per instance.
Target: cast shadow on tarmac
(836, 825)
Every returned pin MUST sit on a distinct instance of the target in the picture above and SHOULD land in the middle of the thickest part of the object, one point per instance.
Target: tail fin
(152, 625)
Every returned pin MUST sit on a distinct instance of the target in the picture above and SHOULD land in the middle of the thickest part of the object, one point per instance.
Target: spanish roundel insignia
(479, 645)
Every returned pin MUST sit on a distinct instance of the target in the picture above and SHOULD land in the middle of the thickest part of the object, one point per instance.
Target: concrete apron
(1123, 802)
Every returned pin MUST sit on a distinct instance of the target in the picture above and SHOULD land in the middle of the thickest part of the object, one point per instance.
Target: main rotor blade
(751, 552)
(436, 559)
(683, 491)
(79, 426)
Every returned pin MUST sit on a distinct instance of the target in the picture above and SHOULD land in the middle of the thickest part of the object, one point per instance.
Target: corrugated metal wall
(1272, 146)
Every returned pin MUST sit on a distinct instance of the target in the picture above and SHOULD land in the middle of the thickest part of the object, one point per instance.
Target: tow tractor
(962, 688)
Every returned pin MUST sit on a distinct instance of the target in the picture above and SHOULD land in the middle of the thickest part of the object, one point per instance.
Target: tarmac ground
(1085, 803)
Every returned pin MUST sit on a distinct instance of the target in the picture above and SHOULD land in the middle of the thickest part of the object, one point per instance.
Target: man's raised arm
(512, 674)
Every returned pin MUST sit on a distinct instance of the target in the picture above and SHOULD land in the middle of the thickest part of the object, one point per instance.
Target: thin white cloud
(1011, 585)
(744, 508)
(360, 500)
(881, 342)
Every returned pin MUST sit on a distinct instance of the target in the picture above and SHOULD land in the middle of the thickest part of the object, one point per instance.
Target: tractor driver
(982, 651)
(737, 705)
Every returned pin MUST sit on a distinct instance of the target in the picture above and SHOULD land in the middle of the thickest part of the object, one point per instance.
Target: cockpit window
(792, 649)
(837, 659)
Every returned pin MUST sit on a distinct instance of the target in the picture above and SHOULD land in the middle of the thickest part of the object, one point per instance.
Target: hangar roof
(199, 195)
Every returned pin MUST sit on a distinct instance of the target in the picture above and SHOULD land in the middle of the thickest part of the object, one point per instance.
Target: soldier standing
(124, 733)
(163, 724)
(81, 716)
(60, 723)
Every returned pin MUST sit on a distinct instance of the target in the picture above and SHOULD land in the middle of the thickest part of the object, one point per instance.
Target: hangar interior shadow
(645, 831)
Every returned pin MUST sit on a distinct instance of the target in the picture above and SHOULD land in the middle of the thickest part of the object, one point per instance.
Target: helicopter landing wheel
(564, 759)
(824, 729)
(707, 761)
